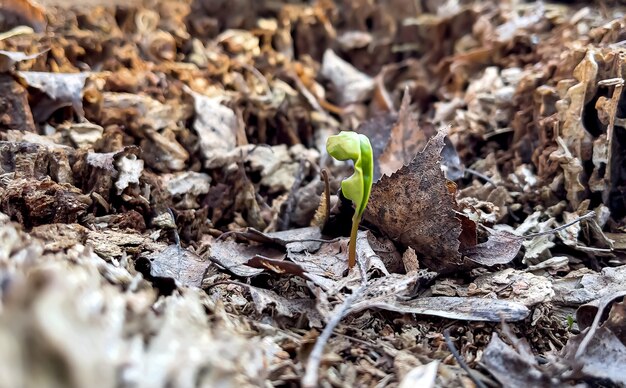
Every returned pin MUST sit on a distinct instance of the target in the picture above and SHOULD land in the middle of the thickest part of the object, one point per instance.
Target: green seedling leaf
(357, 188)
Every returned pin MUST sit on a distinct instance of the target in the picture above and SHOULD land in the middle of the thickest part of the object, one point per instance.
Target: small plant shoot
(356, 147)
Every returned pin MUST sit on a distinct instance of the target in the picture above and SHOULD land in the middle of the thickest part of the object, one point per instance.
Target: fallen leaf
(599, 350)
(500, 248)
(20, 12)
(514, 368)
(578, 289)
(421, 376)
(350, 84)
(233, 257)
(414, 207)
(462, 308)
(182, 265)
(62, 89)
(216, 126)
(406, 139)
(9, 58)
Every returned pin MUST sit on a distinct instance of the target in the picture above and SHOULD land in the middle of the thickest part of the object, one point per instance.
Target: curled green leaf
(357, 188)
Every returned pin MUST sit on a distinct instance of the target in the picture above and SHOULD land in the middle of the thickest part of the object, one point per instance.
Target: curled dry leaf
(216, 126)
(8, 59)
(22, 12)
(233, 256)
(414, 206)
(62, 89)
(349, 83)
(599, 350)
(514, 367)
(500, 248)
(174, 262)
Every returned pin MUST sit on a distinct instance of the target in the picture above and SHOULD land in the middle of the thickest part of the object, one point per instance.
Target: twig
(326, 195)
(481, 176)
(459, 359)
(176, 236)
(311, 375)
(559, 228)
(291, 198)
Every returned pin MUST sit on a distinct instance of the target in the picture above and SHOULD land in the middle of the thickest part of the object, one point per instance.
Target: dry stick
(559, 228)
(459, 359)
(326, 195)
(481, 176)
(311, 375)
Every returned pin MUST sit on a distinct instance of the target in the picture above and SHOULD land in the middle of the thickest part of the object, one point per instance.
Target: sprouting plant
(356, 147)
(570, 322)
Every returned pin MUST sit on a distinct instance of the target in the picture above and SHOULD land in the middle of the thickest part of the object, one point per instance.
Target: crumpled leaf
(286, 307)
(579, 288)
(431, 227)
(523, 287)
(500, 248)
(327, 266)
(129, 169)
(9, 58)
(182, 265)
(421, 376)
(186, 187)
(600, 350)
(216, 126)
(62, 89)
(233, 257)
(514, 367)
(350, 84)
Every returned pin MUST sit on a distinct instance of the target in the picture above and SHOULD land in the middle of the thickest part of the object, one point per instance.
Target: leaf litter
(162, 171)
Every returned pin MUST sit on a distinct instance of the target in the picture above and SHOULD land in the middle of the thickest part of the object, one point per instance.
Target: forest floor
(170, 215)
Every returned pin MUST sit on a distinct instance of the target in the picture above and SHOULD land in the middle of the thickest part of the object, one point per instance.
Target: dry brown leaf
(233, 257)
(351, 85)
(405, 140)
(19, 12)
(414, 207)
(500, 248)
(175, 262)
(514, 368)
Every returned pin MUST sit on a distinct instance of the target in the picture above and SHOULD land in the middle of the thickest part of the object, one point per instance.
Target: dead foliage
(169, 215)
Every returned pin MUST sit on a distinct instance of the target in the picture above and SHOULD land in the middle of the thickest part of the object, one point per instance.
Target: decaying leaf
(216, 126)
(350, 85)
(414, 207)
(405, 140)
(465, 308)
(182, 265)
(233, 257)
(61, 90)
(500, 248)
(514, 367)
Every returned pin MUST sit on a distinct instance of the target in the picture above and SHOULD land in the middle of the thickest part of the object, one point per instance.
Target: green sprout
(357, 188)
